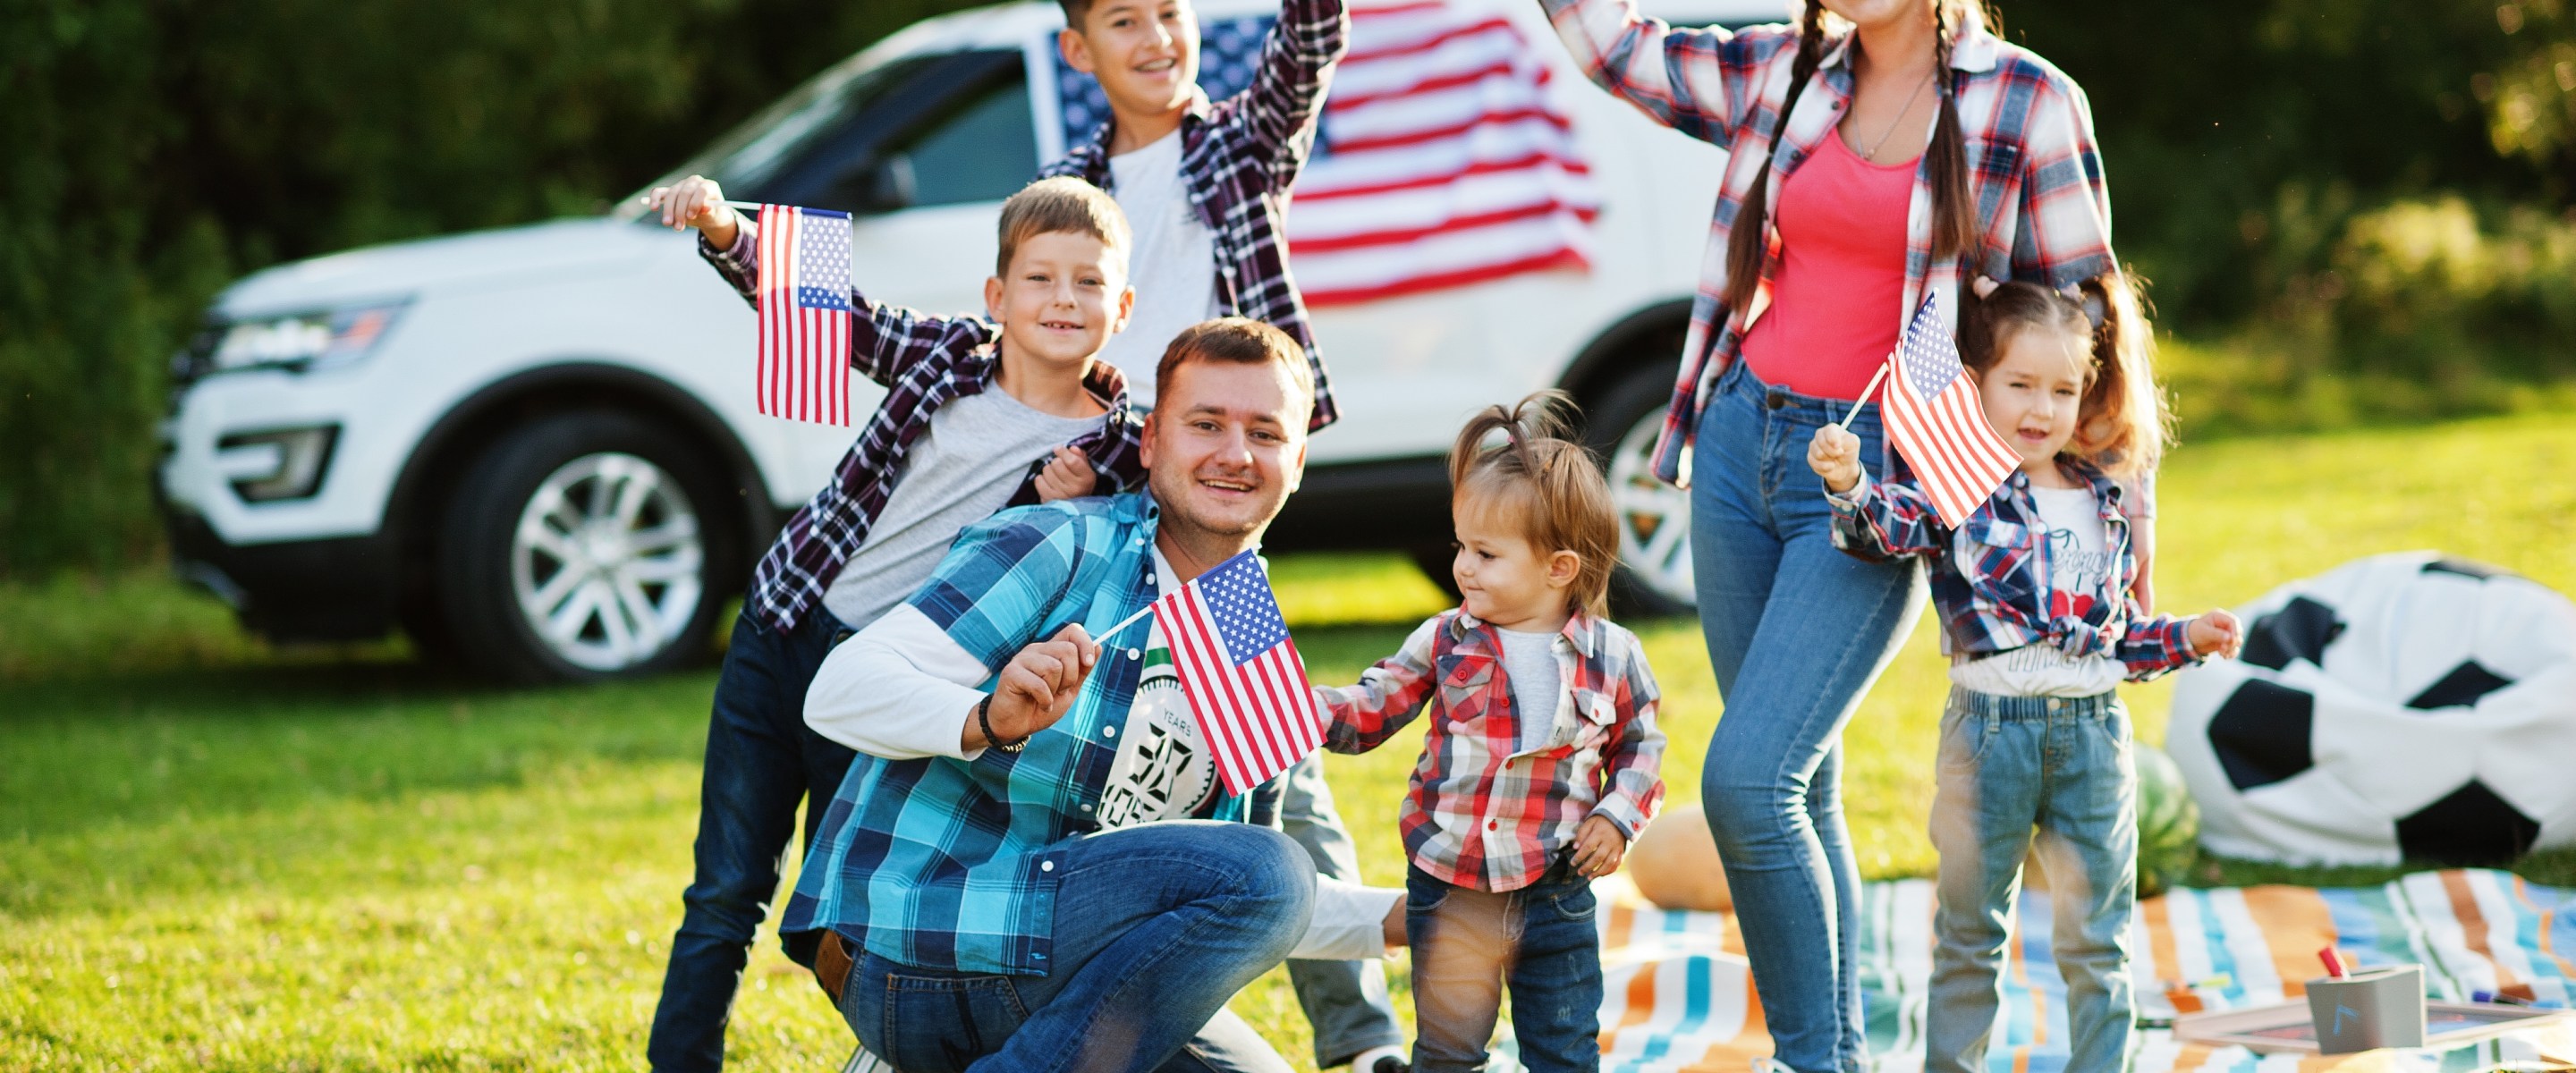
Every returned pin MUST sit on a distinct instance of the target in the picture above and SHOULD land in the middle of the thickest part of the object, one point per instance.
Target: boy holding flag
(981, 412)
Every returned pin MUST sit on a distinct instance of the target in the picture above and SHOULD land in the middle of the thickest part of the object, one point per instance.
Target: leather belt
(832, 965)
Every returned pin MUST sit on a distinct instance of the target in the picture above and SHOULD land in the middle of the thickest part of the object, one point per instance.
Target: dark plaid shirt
(924, 362)
(1991, 577)
(1239, 156)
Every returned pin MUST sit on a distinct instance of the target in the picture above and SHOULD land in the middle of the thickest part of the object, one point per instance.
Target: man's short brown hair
(1074, 10)
(1065, 204)
(1239, 340)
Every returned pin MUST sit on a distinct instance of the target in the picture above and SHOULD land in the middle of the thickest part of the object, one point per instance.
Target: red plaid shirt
(2042, 208)
(1484, 812)
(1239, 156)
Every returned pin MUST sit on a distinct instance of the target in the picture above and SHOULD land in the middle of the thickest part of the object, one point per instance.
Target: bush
(160, 148)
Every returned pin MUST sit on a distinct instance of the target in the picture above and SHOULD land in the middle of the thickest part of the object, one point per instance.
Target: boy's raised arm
(1388, 697)
(1286, 96)
(886, 341)
(1697, 80)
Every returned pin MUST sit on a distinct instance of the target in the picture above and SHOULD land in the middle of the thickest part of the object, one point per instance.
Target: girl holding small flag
(1540, 764)
(2033, 588)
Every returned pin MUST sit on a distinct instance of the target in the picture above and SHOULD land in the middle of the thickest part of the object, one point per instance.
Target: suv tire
(581, 546)
(1654, 575)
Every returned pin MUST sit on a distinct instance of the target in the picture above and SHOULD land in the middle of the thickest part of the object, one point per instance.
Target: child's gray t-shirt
(963, 467)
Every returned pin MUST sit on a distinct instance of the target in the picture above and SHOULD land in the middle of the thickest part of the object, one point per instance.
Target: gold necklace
(1871, 154)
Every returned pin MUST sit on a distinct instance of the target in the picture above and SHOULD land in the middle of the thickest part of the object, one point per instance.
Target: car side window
(943, 130)
(984, 149)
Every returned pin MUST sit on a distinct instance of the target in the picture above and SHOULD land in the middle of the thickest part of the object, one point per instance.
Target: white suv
(536, 448)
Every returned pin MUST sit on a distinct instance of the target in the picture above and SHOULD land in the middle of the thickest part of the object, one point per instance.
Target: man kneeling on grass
(1027, 867)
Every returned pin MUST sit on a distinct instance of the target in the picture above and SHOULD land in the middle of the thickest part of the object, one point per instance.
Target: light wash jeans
(1469, 944)
(2008, 763)
(1797, 630)
(1156, 927)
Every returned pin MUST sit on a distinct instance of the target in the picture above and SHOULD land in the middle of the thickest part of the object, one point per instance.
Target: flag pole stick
(1863, 400)
(1123, 623)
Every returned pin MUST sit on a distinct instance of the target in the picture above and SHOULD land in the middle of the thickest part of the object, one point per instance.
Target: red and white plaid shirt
(2042, 209)
(1485, 812)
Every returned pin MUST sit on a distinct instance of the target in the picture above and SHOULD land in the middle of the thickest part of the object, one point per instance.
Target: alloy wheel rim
(607, 561)
(1654, 517)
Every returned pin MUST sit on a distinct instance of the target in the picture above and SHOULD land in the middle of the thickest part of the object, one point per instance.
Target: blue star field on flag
(1247, 617)
(823, 260)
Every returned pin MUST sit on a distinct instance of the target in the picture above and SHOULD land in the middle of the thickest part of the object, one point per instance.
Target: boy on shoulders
(1204, 184)
(981, 412)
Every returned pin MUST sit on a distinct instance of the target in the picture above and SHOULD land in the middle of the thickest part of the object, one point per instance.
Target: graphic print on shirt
(2079, 554)
(1163, 771)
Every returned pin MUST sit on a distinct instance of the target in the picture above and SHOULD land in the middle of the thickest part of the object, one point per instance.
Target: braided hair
(1954, 223)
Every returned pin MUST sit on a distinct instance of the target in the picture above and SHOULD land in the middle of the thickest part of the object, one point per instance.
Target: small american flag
(1246, 684)
(1936, 421)
(805, 314)
(1444, 161)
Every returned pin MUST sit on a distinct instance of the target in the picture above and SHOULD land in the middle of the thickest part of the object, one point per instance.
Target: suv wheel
(1654, 575)
(579, 547)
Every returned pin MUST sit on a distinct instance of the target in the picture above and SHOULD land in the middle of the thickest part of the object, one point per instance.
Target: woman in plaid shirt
(1879, 151)
(1541, 760)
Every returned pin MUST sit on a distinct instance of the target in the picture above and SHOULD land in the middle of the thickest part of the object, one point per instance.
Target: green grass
(215, 855)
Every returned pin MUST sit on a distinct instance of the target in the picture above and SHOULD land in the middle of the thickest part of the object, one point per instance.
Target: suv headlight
(298, 341)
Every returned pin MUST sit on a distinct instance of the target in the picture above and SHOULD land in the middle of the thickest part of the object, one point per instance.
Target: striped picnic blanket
(1679, 995)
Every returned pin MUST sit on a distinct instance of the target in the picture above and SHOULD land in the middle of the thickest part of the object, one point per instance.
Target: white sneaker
(863, 1062)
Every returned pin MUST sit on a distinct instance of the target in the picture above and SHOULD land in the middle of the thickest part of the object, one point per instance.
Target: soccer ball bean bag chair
(2407, 706)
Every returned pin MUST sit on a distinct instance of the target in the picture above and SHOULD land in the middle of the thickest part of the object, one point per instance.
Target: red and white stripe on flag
(1447, 161)
(1256, 710)
(1936, 420)
(804, 354)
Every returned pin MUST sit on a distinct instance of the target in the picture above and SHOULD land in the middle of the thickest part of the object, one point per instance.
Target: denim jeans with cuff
(1468, 944)
(1156, 927)
(1797, 630)
(762, 761)
(2064, 766)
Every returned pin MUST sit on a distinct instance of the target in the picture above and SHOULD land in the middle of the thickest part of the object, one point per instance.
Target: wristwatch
(984, 722)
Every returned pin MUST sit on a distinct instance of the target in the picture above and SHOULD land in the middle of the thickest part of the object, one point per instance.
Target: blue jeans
(1797, 631)
(1345, 1001)
(762, 760)
(1156, 927)
(2008, 763)
(1468, 943)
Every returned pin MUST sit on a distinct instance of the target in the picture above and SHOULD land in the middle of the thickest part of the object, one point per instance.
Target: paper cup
(2374, 1008)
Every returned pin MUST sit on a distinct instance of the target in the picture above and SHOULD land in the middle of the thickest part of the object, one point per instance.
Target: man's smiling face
(1144, 52)
(1225, 445)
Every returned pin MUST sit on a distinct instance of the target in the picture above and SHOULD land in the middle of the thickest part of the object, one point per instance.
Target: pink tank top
(1836, 297)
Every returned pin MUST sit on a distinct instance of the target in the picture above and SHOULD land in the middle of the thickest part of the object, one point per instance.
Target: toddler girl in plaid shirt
(2040, 619)
(1540, 761)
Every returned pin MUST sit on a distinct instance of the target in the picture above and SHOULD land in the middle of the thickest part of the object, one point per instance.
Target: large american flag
(1444, 158)
(804, 364)
(1246, 684)
(1936, 420)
